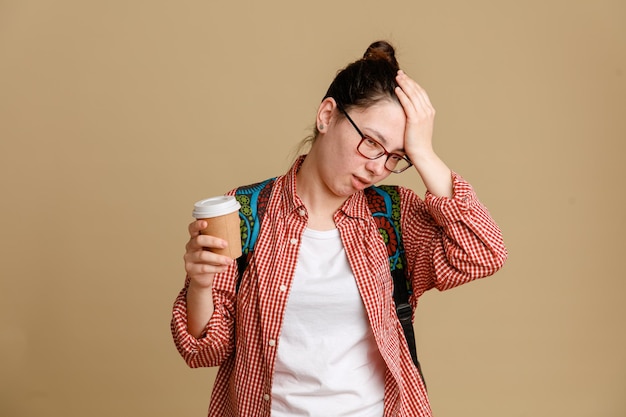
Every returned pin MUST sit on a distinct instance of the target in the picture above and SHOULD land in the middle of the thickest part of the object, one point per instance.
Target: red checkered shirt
(448, 242)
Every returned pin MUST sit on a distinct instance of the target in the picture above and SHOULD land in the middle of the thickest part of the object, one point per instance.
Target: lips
(360, 183)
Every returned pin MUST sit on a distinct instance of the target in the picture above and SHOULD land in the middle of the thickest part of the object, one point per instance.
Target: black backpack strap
(384, 203)
(404, 310)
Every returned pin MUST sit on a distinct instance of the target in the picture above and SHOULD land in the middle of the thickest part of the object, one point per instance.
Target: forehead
(384, 121)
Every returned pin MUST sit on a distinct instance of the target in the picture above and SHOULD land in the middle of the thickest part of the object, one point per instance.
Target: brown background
(115, 116)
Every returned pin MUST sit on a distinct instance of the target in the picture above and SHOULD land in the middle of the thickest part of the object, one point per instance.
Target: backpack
(384, 203)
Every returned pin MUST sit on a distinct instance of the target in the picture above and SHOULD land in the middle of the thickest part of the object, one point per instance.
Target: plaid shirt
(448, 242)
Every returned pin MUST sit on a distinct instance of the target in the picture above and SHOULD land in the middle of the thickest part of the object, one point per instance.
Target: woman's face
(342, 168)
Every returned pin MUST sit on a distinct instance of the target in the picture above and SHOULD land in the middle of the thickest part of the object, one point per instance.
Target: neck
(320, 202)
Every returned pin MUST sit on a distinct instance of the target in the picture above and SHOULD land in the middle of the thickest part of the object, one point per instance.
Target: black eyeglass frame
(384, 152)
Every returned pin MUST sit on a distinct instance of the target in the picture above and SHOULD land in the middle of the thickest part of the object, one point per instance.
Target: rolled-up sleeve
(217, 341)
(450, 241)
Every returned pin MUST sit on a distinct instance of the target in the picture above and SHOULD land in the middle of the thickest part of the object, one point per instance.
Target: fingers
(410, 87)
(202, 265)
(205, 242)
(198, 240)
(413, 97)
(200, 262)
(197, 226)
(420, 116)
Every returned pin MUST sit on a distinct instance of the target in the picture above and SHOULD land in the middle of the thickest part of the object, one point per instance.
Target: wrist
(422, 154)
(200, 285)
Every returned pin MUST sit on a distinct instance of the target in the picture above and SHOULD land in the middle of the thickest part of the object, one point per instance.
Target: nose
(376, 166)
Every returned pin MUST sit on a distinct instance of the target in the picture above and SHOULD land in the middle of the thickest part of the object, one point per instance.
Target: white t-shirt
(327, 360)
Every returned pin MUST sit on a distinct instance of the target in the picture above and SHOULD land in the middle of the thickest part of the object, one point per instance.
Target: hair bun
(381, 50)
(367, 80)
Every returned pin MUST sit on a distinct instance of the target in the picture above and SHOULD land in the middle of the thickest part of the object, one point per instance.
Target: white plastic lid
(215, 206)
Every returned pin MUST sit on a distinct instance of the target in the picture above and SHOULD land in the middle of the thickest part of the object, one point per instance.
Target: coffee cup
(222, 217)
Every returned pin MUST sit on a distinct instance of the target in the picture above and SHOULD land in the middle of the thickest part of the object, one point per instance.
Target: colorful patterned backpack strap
(384, 203)
(253, 200)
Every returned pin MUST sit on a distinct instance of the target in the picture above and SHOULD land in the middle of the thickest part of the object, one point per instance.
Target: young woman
(316, 330)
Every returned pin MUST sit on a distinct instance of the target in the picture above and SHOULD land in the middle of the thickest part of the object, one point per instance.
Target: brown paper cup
(225, 227)
(222, 216)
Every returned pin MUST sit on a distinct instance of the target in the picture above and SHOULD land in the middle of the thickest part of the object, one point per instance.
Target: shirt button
(272, 342)
(282, 288)
(302, 212)
(266, 397)
(294, 241)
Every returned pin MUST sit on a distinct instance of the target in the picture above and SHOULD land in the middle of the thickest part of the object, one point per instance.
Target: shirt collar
(290, 200)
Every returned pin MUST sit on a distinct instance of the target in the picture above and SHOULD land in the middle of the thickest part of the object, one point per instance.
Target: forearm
(435, 174)
(203, 332)
(472, 244)
(450, 240)
(199, 308)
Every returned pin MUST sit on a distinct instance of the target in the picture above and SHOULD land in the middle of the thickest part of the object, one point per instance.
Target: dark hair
(368, 80)
(363, 82)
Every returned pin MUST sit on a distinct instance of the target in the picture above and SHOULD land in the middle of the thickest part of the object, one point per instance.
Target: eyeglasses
(372, 149)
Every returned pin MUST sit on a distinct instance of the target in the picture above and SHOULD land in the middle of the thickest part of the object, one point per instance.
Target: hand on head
(420, 116)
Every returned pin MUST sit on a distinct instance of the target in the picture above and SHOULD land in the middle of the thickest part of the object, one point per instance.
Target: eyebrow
(381, 138)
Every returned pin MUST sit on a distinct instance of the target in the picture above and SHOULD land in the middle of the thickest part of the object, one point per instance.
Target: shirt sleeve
(449, 241)
(217, 340)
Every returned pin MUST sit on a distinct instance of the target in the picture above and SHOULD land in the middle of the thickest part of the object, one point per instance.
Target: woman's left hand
(420, 116)
(418, 136)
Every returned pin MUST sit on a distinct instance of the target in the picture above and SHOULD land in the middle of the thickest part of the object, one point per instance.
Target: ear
(325, 113)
